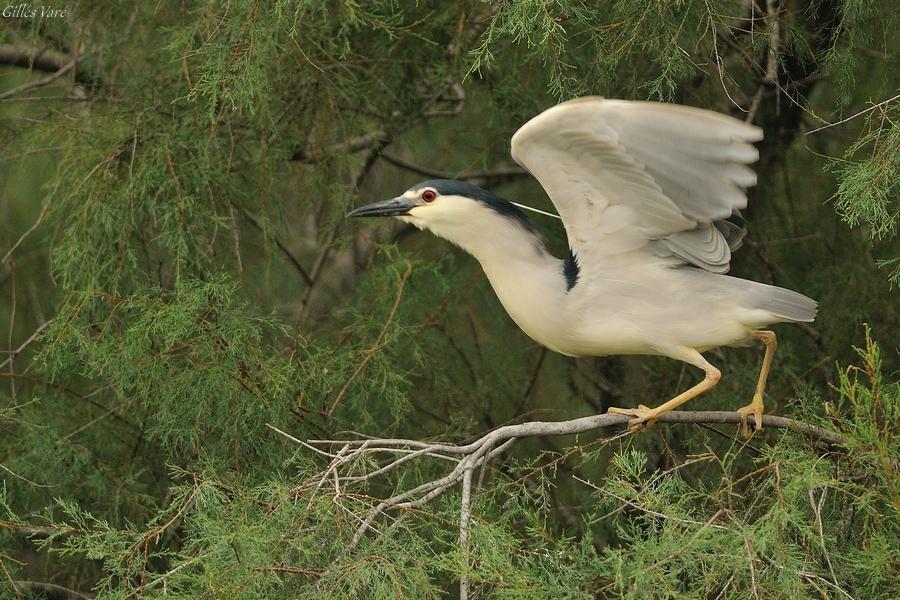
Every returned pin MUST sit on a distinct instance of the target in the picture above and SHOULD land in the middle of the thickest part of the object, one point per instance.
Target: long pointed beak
(386, 208)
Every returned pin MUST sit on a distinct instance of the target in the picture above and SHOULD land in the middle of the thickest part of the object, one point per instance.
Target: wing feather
(638, 180)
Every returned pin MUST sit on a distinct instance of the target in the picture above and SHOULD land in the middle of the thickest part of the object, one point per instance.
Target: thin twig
(236, 239)
(284, 250)
(648, 511)
(90, 423)
(506, 172)
(30, 85)
(24, 236)
(750, 553)
(17, 476)
(377, 345)
(20, 587)
(162, 578)
(301, 442)
(719, 68)
(289, 570)
(9, 338)
(853, 116)
(317, 270)
(817, 512)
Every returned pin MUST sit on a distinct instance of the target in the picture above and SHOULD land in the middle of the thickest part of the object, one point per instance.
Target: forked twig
(466, 458)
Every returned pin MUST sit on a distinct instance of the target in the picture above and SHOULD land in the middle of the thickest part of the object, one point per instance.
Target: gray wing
(643, 180)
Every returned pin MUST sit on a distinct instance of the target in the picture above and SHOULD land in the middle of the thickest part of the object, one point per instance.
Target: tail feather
(787, 304)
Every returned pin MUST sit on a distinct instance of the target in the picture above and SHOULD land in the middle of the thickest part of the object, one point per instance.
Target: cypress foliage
(177, 279)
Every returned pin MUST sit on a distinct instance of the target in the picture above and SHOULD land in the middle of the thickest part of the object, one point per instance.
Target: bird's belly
(608, 337)
(653, 330)
(655, 312)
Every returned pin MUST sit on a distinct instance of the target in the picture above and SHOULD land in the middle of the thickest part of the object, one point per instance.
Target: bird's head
(449, 208)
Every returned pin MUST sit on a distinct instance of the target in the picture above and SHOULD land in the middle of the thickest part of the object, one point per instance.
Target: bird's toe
(615, 410)
(755, 408)
(642, 416)
(640, 424)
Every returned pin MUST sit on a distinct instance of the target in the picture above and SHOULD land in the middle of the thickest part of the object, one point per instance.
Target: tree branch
(44, 59)
(284, 249)
(853, 116)
(31, 85)
(14, 353)
(362, 142)
(464, 513)
(51, 589)
(480, 452)
(484, 177)
(771, 77)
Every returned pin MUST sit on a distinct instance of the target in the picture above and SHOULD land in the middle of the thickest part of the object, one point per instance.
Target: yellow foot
(755, 408)
(642, 413)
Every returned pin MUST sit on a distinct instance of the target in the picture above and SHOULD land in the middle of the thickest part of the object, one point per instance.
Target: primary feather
(654, 178)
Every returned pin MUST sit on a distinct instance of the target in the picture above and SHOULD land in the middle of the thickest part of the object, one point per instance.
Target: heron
(649, 195)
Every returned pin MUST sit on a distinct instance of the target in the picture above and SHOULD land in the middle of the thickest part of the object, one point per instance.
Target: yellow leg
(755, 407)
(646, 416)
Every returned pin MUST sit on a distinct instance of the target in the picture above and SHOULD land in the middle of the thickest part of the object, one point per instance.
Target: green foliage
(195, 341)
(177, 275)
(870, 187)
(564, 35)
(798, 524)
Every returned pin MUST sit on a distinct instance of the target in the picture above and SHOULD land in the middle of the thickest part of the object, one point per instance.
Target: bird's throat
(531, 284)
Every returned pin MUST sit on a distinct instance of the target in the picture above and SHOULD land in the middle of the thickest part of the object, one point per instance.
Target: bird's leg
(755, 407)
(646, 415)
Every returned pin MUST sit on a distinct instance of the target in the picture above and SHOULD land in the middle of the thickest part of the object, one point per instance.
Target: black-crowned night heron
(649, 196)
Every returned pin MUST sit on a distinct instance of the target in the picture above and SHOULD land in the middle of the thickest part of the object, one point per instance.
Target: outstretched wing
(642, 180)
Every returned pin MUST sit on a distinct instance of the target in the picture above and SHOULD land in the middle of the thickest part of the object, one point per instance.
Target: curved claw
(755, 408)
(642, 413)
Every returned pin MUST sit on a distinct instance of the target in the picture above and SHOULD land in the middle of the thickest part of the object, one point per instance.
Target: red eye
(429, 195)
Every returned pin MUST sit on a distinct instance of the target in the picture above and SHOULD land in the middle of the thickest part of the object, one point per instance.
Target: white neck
(527, 279)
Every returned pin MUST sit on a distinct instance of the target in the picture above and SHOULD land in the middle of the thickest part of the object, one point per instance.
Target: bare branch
(478, 453)
(51, 589)
(14, 353)
(487, 175)
(284, 249)
(817, 512)
(362, 142)
(582, 424)
(31, 85)
(17, 476)
(44, 59)
(24, 236)
(771, 77)
(464, 512)
(853, 116)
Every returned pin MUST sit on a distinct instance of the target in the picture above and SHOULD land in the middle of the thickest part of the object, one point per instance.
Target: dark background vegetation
(176, 272)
